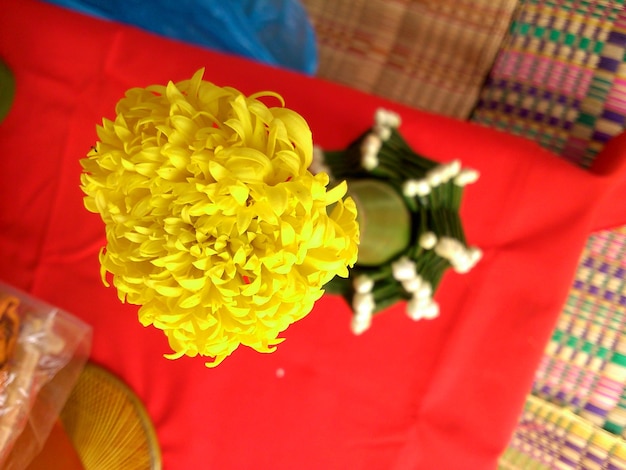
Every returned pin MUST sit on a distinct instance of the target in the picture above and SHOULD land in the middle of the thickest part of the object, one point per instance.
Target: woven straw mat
(429, 54)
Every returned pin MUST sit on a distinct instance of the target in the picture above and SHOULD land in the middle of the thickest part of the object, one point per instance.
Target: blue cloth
(277, 32)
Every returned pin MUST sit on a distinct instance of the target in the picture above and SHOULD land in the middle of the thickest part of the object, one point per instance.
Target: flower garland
(432, 194)
(214, 225)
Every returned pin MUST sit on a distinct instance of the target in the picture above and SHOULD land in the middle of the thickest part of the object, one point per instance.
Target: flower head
(214, 225)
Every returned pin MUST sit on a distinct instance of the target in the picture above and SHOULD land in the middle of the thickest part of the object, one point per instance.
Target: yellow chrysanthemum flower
(214, 224)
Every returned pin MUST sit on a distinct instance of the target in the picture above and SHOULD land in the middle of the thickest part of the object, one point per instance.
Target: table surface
(439, 394)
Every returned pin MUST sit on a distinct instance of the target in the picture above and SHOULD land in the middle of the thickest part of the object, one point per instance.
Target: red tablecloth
(443, 394)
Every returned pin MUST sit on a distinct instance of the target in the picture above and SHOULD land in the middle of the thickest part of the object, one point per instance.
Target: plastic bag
(277, 32)
(49, 350)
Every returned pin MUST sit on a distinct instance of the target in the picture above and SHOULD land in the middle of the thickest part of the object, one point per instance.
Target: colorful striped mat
(429, 55)
(584, 367)
(576, 416)
(559, 78)
(552, 437)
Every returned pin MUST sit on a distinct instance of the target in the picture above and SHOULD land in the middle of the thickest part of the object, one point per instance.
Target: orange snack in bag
(9, 328)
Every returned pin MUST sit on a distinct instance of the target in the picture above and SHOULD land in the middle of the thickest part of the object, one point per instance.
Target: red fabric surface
(443, 394)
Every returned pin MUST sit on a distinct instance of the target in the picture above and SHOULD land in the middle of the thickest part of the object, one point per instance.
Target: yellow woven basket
(109, 425)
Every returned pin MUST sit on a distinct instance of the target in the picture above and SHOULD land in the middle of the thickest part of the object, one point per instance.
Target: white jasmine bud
(431, 310)
(363, 284)
(454, 167)
(449, 170)
(403, 269)
(425, 291)
(371, 144)
(428, 240)
(384, 117)
(409, 188)
(412, 188)
(475, 255)
(419, 308)
(434, 177)
(369, 151)
(414, 308)
(462, 264)
(369, 161)
(445, 173)
(363, 303)
(361, 322)
(467, 260)
(423, 188)
(461, 258)
(412, 285)
(466, 176)
(394, 120)
(383, 132)
(449, 248)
